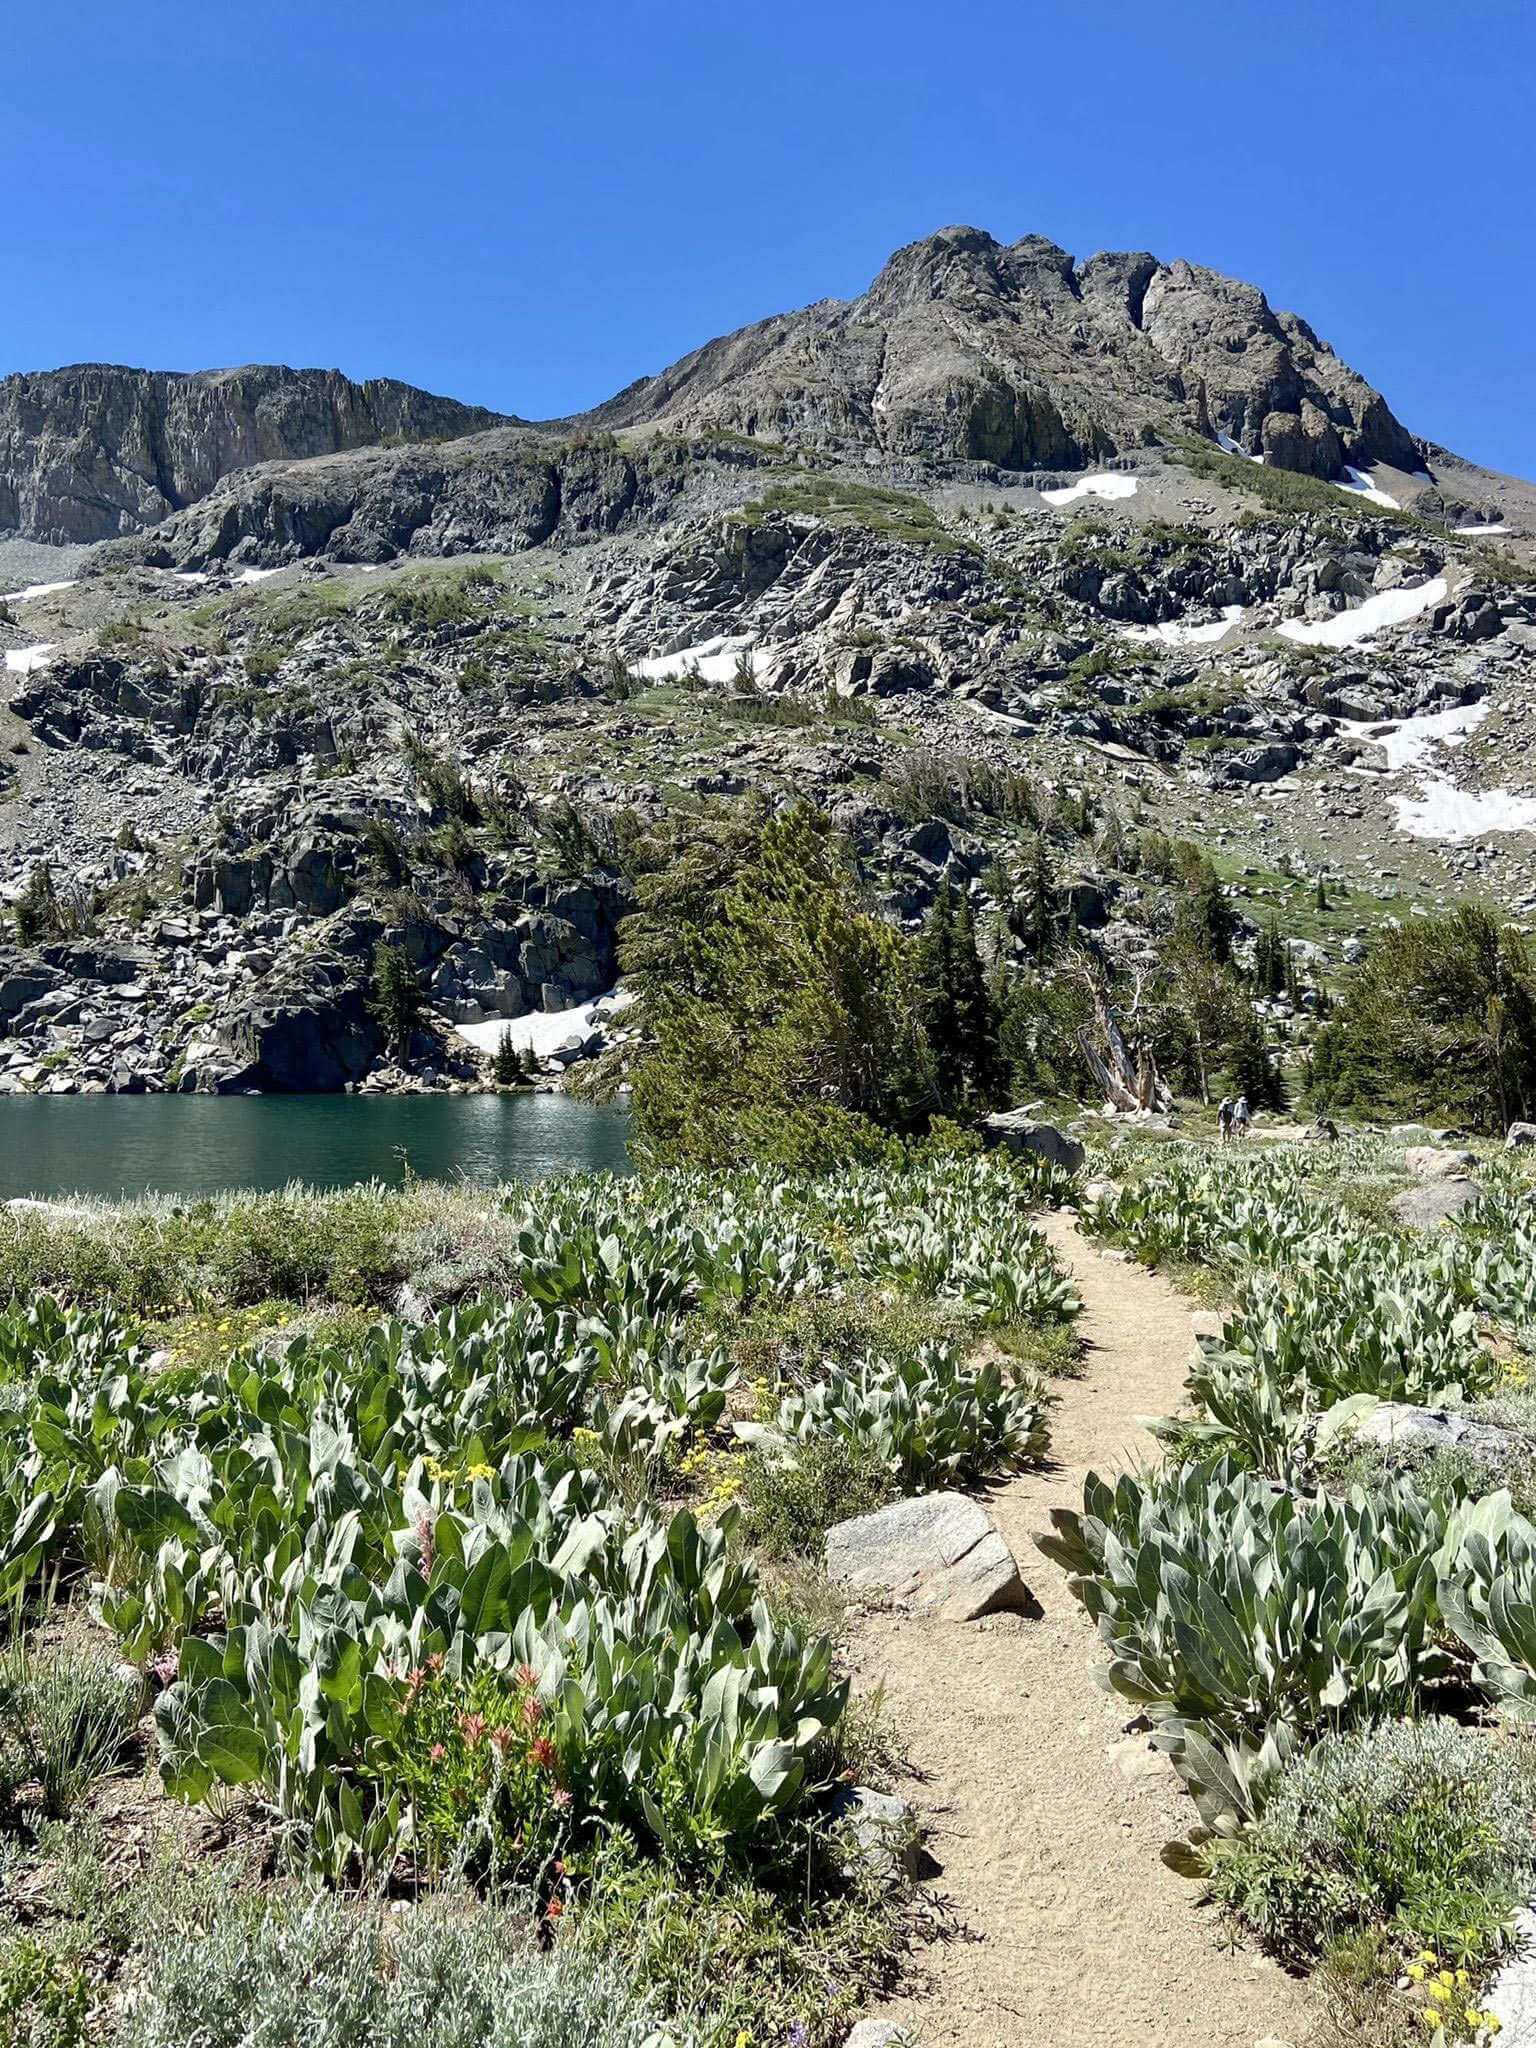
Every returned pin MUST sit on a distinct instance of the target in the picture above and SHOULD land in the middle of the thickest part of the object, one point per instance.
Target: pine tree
(1253, 1070)
(1042, 902)
(507, 1067)
(956, 1007)
(395, 995)
(1205, 918)
(37, 911)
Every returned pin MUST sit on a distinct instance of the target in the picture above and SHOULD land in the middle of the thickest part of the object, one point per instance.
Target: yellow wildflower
(480, 1470)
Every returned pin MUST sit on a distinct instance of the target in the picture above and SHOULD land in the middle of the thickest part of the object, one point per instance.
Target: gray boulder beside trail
(880, 2034)
(1518, 1136)
(939, 1553)
(1437, 1162)
(1434, 1202)
(883, 1828)
(1018, 1131)
(1513, 1997)
(1398, 1425)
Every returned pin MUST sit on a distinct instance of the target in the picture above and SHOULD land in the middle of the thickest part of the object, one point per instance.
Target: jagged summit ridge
(966, 348)
(96, 450)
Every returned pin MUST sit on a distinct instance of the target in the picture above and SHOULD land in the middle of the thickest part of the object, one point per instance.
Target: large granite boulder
(24, 976)
(311, 1032)
(1018, 1130)
(1435, 1201)
(939, 1553)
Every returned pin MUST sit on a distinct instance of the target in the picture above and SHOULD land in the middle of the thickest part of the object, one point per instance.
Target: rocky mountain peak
(967, 349)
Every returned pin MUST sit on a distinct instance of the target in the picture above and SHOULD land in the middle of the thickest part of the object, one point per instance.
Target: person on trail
(1241, 1117)
(1224, 1119)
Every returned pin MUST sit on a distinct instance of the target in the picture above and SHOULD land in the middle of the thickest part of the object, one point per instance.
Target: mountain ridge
(91, 451)
(962, 349)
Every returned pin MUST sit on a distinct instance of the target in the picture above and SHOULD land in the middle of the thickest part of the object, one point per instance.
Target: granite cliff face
(965, 349)
(94, 451)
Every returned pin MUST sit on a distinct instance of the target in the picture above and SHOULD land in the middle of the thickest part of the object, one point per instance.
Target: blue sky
(528, 207)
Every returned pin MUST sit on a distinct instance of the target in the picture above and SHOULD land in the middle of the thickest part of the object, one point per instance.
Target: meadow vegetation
(491, 1609)
(1334, 1643)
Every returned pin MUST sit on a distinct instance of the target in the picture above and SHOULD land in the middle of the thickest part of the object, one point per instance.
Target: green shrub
(44, 1999)
(1438, 1022)
(1425, 1830)
(1243, 1618)
(785, 1954)
(931, 1418)
(330, 1974)
(789, 1503)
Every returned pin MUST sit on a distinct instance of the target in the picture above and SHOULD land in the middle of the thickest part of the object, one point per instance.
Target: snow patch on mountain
(1349, 628)
(1102, 484)
(21, 661)
(714, 661)
(1360, 485)
(1179, 633)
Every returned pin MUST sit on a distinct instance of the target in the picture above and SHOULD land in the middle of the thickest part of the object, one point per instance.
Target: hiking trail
(1045, 1817)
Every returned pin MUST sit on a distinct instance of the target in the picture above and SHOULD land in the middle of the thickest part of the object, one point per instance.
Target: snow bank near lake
(714, 660)
(541, 1031)
(21, 661)
(35, 590)
(1472, 532)
(1177, 633)
(1359, 485)
(1103, 484)
(1348, 629)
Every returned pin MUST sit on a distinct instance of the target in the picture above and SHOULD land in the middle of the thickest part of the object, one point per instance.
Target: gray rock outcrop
(97, 450)
(1434, 1202)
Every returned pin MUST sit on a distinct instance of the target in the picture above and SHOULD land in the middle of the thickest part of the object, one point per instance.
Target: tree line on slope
(785, 1019)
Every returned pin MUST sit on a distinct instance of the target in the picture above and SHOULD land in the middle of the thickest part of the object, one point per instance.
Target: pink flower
(543, 1753)
(436, 1753)
(472, 1728)
(501, 1740)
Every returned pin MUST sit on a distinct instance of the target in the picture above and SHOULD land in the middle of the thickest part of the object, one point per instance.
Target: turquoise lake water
(113, 1145)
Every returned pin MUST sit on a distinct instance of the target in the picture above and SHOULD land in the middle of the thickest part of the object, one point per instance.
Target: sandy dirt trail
(1045, 1817)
